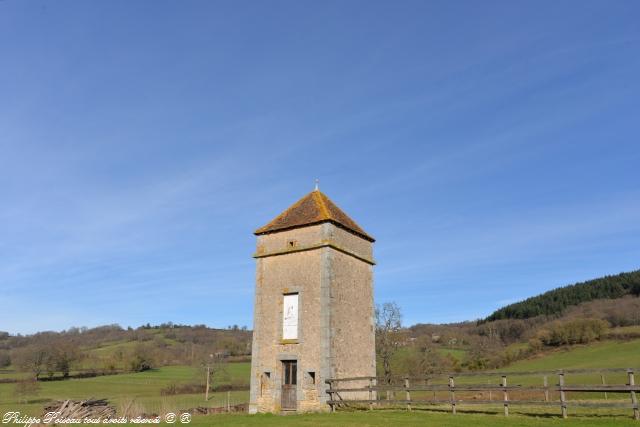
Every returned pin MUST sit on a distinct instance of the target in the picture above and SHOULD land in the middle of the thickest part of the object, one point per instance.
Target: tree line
(424, 349)
(74, 352)
(556, 301)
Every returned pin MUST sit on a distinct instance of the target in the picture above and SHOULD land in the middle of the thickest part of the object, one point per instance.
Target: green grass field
(606, 354)
(454, 352)
(403, 418)
(142, 392)
(142, 388)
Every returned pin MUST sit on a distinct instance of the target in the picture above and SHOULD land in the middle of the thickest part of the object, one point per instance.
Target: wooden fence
(464, 389)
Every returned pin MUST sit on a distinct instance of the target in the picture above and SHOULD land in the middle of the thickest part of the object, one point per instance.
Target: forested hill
(554, 302)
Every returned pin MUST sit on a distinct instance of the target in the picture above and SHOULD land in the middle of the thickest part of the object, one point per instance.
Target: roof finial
(317, 184)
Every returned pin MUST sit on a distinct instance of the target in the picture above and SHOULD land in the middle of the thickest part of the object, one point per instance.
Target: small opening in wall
(312, 377)
(264, 382)
(291, 244)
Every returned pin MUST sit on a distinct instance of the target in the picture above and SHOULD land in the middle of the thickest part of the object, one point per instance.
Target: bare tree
(388, 334)
(62, 355)
(31, 359)
(215, 366)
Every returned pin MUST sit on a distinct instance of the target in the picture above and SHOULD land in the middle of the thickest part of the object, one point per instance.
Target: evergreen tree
(554, 302)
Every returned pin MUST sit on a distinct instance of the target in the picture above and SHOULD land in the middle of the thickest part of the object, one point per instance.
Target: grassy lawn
(403, 418)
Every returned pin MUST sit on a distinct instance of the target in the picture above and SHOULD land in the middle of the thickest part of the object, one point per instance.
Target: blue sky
(490, 147)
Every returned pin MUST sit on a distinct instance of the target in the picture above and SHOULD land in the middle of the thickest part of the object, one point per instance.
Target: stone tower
(314, 313)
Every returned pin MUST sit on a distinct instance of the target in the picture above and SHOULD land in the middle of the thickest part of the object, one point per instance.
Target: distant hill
(111, 348)
(554, 302)
(588, 313)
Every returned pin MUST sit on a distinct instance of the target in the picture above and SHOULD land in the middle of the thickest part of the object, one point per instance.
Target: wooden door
(289, 381)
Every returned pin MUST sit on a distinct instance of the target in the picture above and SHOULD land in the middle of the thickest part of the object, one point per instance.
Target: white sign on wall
(290, 317)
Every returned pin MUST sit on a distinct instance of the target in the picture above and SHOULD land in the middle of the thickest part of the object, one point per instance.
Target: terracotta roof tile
(314, 208)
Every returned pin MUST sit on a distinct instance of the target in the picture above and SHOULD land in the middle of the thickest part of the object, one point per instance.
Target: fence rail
(342, 395)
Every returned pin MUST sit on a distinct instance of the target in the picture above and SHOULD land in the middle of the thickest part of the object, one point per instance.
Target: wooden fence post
(634, 399)
(371, 394)
(452, 395)
(506, 395)
(428, 384)
(604, 382)
(545, 382)
(206, 391)
(332, 404)
(563, 402)
(575, 386)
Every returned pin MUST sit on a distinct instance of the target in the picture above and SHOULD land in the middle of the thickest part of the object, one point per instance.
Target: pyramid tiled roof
(314, 208)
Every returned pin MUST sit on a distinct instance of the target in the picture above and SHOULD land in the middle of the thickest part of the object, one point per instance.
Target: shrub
(170, 390)
(577, 331)
(142, 358)
(5, 359)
